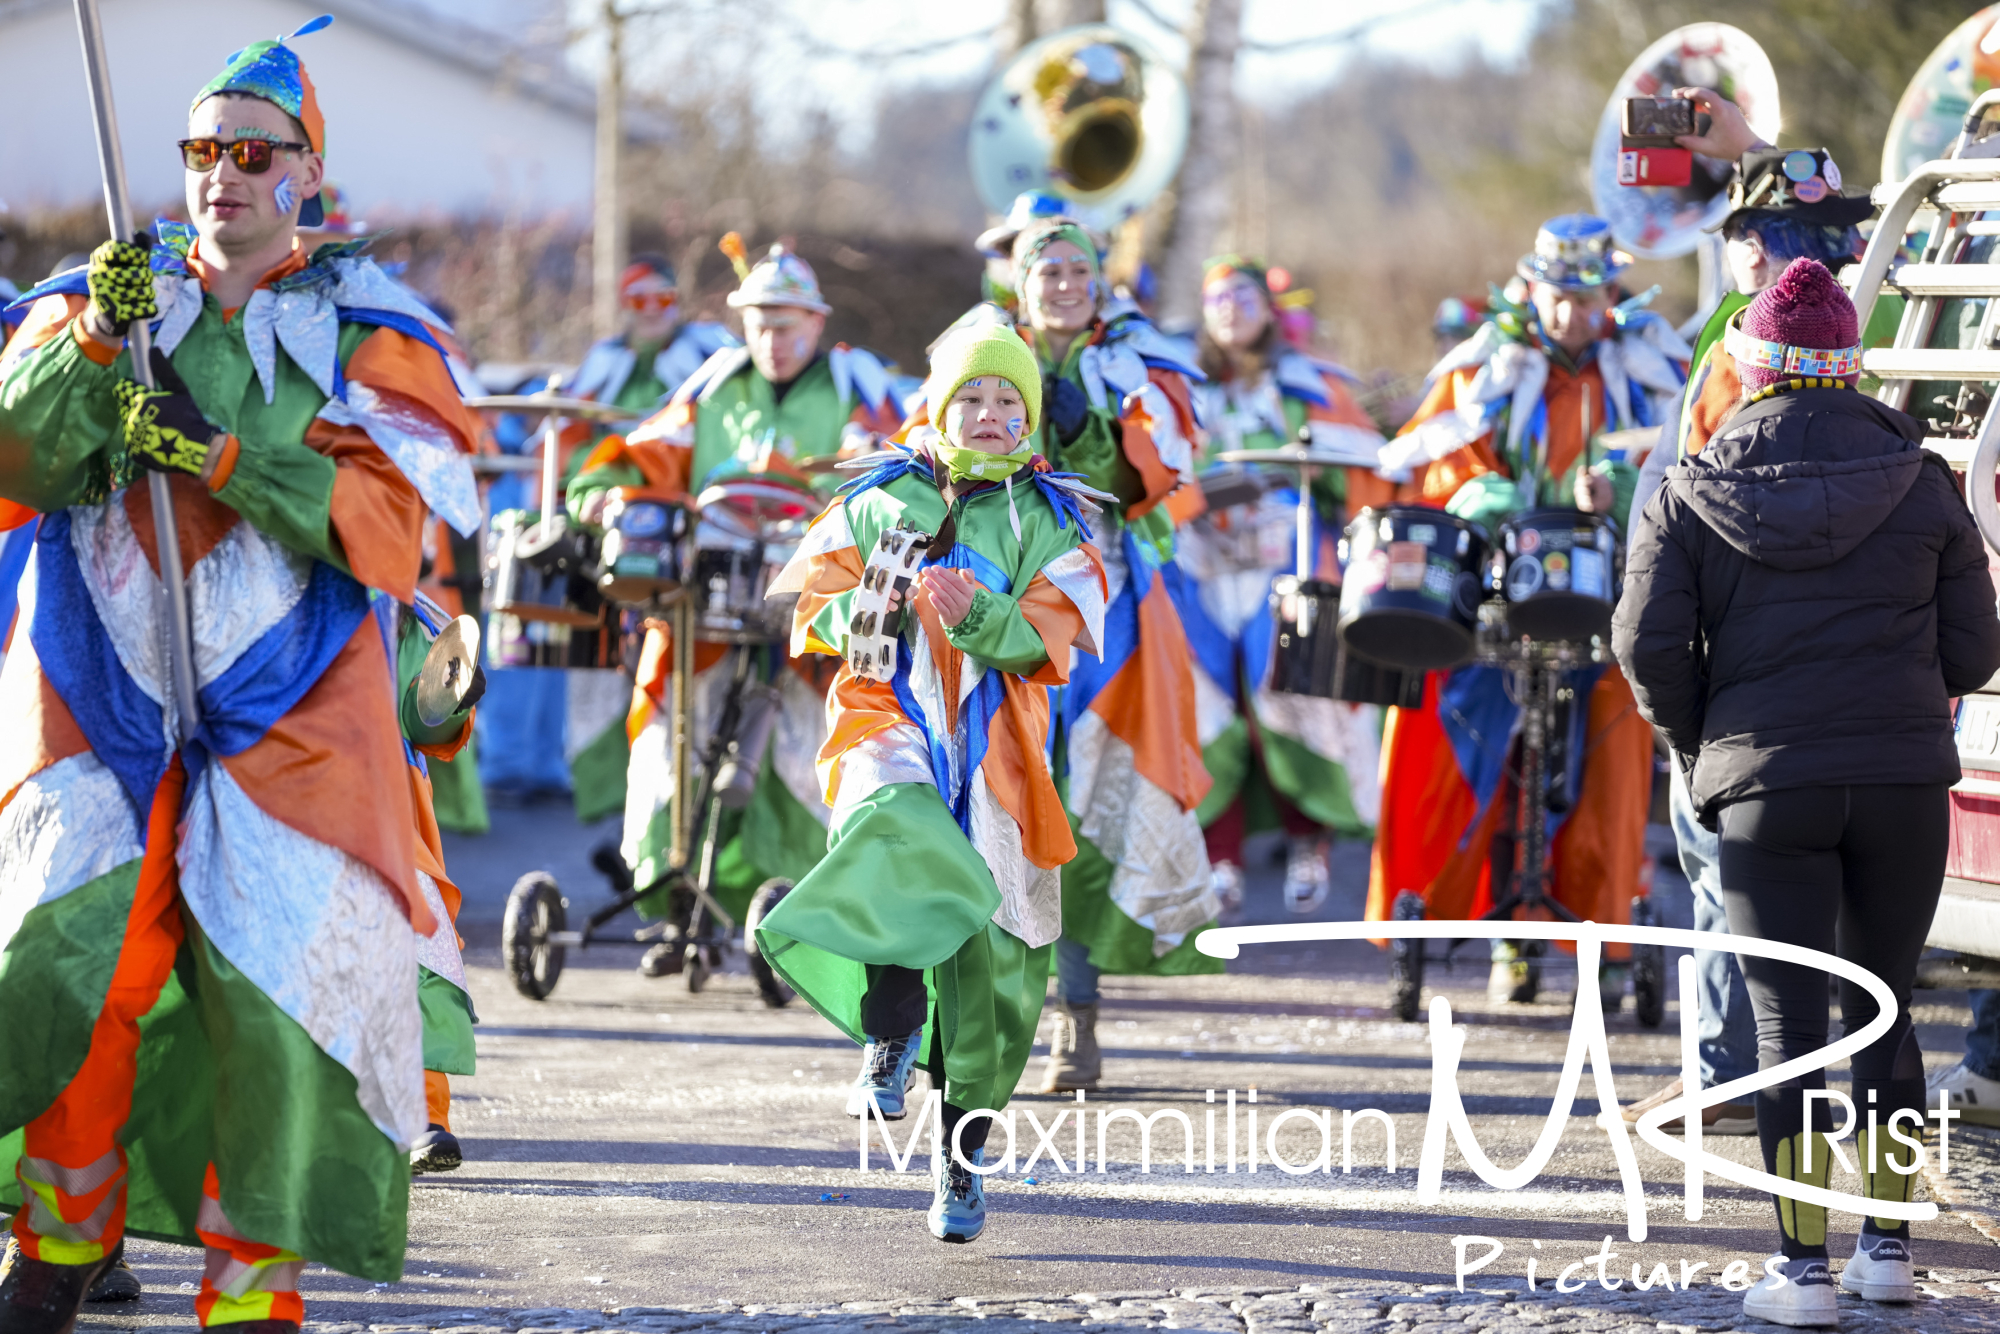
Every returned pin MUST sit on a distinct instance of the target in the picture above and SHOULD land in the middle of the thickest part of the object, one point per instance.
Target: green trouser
(901, 885)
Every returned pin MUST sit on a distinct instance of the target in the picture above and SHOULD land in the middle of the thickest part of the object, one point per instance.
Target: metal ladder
(1956, 199)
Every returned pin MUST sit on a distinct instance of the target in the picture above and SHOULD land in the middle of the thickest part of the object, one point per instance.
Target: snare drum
(542, 594)
(1412, 587)
(537, 573)
(749, 529)
(1359, 681)
(1558, 569)
(647, 540)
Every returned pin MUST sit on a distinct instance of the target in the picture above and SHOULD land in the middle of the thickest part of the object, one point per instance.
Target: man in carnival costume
(756, 410)
(1117, 411)
(1308, 764)
(927, 928)
(1785, 204)
(547, 727)
(183, 960)
(1510, 424)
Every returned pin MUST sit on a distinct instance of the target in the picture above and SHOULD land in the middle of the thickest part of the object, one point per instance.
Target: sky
(842, 55)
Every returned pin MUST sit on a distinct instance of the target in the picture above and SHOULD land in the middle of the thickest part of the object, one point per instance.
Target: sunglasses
(251, 156)
(650, 303)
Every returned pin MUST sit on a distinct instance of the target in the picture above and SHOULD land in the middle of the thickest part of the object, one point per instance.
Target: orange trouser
(72, 1167)
(437, 1098)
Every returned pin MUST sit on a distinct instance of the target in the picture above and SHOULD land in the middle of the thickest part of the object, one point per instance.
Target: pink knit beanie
(1806, 307)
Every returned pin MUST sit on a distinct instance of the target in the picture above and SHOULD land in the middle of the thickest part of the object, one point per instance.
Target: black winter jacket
(1803, 599)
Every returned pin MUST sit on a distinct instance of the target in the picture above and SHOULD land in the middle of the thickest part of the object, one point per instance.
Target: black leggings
(893, 1005)
(1854, 872)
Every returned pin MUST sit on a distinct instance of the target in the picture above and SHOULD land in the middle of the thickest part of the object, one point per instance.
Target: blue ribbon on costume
(975, 711)
(125, 727)
(1480, 718)
(15, 548)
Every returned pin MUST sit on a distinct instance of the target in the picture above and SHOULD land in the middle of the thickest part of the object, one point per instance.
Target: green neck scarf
(968, 465)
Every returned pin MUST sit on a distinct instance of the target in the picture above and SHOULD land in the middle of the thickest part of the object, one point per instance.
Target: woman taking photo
(1804, 600)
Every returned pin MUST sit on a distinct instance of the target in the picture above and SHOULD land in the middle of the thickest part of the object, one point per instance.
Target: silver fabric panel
(439, 950)
(896, 754)
(333, 951)
(1073, 574)
(244, 586)
(179, 299)
(360, 282)
(63, 828)
(1115, 571)
(796, 741)
(1214, 708)
(421, 448)
(1030, 897)
(1347, 734)
(308, 327)
(1161, 875)
(123, 590)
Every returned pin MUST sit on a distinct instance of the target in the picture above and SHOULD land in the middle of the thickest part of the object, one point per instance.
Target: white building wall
(407, 133)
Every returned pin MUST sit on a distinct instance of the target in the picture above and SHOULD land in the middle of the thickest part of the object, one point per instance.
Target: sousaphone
(1668, 221)
(1932, 109)
(1090, 113)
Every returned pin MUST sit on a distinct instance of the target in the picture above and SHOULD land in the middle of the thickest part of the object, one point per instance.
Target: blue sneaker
(886, 1067)
(958, 1213)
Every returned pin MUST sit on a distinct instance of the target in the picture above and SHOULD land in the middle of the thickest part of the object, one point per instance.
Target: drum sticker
(1424, 533)
(1555, 568)
(1587, 573)
(1408, 562)
(1439, 580)
(1530, 541)
(1524, 577)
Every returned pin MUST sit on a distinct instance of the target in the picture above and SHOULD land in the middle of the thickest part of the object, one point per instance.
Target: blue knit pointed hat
(271, 70)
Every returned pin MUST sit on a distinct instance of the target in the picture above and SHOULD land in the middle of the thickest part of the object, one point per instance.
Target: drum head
(1565, 616)
(1412, 640)
(760, 506)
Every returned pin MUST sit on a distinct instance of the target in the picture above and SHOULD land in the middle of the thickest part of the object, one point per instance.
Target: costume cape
(287, 823)
(947, 833)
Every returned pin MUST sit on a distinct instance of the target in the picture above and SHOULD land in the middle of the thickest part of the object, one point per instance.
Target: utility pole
(608, 230)
(1202, 196)
(1055, 15)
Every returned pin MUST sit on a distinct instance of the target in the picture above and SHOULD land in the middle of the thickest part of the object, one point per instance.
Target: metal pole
(683, 706)
(139, 339)
(551, 466)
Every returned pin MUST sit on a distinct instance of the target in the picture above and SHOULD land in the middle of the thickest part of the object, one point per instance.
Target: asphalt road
(631, 1144)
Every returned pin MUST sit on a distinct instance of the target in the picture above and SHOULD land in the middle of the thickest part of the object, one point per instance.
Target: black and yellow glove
(164, 429)
(121, 284)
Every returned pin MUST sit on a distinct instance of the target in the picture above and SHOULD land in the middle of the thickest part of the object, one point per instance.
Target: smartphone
(1658, 119)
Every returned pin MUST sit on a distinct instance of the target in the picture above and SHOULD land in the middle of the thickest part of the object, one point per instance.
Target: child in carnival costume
(928, 926)
(1509, 425)
(167, 940)
(1117, 410)
(1308, 764)
(748, 412)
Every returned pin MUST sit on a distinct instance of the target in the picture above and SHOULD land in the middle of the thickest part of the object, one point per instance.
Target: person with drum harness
(1118, 411)
(759, 415)
(926, 931)
(641, 366)
(1508, 432)
(1302, 762)
(203, 934)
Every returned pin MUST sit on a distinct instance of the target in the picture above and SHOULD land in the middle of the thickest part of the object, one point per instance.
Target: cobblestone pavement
(642, 1158)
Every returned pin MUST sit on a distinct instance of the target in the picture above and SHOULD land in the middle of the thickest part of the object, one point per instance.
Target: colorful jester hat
(272, 71)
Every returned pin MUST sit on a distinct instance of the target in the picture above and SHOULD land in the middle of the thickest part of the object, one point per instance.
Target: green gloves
(121, 283)
(164, 429)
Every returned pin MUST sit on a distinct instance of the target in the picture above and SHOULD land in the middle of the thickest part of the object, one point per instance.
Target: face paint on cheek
(285, 193)
(1016, 427)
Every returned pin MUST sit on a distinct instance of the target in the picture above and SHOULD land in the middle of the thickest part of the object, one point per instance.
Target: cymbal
(582, 409)
(761, 500)
(821, 464)
(1295, 455)
(1224, 488)
(447, 671)
(499, 463)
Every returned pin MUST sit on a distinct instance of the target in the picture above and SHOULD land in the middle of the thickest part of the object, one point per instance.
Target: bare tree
(1202, 191)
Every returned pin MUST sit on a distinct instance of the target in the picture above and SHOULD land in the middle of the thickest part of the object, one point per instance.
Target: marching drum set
(562, 596)
(1425, 590)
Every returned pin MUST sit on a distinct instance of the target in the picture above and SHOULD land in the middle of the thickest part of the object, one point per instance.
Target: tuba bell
(1089, 113)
